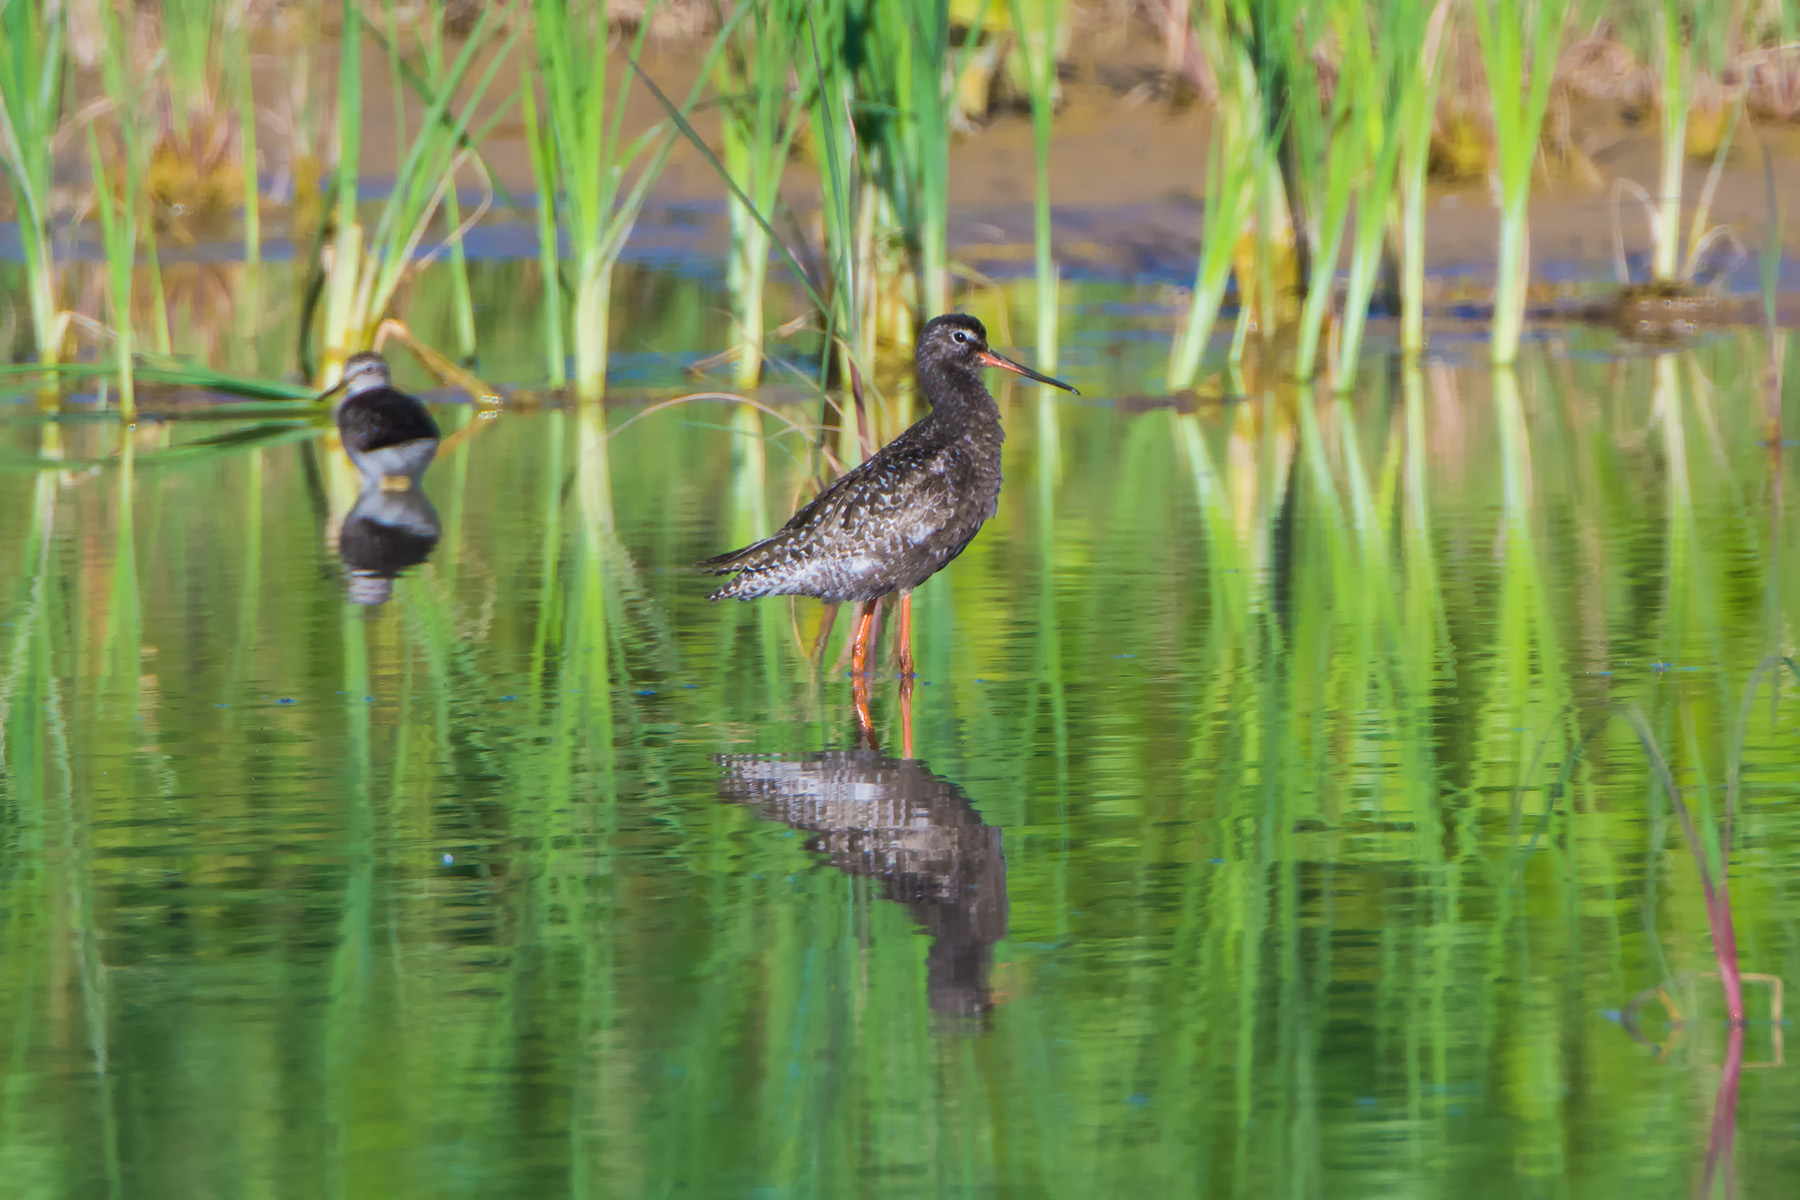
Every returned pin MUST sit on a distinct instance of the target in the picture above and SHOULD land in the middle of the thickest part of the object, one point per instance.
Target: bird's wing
(383, 419)
(898, 498)
(906, 489)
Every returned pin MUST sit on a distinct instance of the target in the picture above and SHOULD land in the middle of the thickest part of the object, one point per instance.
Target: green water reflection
(1273, 833)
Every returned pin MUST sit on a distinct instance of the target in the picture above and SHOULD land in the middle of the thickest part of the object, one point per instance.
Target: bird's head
(366, 371)
(362, 373)
(957, 341)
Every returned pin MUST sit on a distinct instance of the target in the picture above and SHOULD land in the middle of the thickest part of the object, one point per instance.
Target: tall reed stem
(346, 257)
(1037, 23)
(758, 121)
(366, 269)
(33, 39)
(1234, 149)
(592, 325)
(1519, 42)
(592, 162)
(543, 154)
(1417, 113)
(244, 94)
(1676, 68)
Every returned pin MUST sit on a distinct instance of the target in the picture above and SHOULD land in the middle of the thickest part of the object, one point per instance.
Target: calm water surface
(1275, 827)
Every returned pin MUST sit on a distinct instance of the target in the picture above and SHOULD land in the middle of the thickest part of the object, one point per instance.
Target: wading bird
(388, 434)
(894, 521)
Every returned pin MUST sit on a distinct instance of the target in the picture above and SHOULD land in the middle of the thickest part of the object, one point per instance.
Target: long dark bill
(988, 358)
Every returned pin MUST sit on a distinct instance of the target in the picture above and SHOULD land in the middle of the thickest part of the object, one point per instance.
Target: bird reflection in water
(385, 533)
(893, 821)
(391, 438)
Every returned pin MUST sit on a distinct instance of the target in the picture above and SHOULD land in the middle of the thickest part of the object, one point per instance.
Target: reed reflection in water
(1326, 870)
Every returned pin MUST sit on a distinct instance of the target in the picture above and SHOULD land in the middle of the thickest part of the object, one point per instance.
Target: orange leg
(905, 638)
(865, 727)
(906, 689)
(859, 650)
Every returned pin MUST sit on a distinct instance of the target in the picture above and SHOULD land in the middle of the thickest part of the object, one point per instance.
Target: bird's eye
(960, 336)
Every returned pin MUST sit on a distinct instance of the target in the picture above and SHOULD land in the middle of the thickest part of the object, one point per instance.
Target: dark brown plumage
(898, 518)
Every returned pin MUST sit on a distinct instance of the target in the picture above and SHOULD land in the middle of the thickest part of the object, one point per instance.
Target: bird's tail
(734, 560)
(753, 561)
